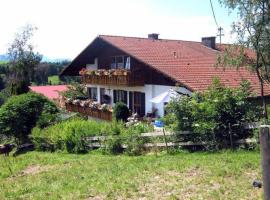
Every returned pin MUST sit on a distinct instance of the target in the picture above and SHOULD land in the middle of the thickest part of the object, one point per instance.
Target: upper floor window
(120, 62)
(127, 62)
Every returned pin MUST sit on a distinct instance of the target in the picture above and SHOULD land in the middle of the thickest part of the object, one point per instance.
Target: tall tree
(23, 60)
(253, 31)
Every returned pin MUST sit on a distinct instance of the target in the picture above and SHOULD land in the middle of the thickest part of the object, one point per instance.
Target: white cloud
(65, 27)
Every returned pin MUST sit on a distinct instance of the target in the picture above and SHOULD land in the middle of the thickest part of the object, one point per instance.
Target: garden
(120, 163)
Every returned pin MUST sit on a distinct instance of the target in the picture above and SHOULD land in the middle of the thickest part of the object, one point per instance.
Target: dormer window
(120, 62)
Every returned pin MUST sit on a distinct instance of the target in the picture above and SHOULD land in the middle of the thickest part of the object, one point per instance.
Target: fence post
(165, 139)
(265, 154)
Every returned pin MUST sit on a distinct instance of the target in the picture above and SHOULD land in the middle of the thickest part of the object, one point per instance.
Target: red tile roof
(189, 63)
(49, 91)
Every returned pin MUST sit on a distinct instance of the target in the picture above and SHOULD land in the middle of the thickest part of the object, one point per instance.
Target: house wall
(150, 91)
(139, 69)
(105, 56)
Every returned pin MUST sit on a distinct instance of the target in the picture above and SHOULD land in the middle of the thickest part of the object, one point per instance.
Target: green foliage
(4, 95)
(134, 141)
(21, 113)
(121, 111)
(68, 135)
(208, 115)
(113, 145)
(252, 30)
(75, 91)
(23, 61)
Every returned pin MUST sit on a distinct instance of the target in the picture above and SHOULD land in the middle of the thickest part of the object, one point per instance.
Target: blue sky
(65, 27)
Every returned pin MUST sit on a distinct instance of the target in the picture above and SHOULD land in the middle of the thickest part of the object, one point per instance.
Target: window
(102, 93)
(92, 93)
(113, 63)
(127, 62)
(120, 62)
(120, 96)
(104, 98)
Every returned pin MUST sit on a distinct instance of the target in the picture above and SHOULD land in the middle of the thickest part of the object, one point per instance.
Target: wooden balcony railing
(87, 111)
(128, 79)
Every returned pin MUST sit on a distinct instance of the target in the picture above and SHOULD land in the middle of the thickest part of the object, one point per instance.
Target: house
(52, 92)
(135, 70)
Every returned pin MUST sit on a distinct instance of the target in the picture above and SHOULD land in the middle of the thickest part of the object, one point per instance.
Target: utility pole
(265, 154)
(220, 34)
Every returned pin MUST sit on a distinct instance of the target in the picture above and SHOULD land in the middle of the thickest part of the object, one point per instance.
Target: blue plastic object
(159, 123)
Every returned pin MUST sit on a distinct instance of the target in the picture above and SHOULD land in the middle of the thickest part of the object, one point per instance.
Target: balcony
(119, 77)
(92, 110)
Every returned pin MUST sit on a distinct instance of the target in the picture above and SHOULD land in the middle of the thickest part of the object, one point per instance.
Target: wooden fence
(97, 141)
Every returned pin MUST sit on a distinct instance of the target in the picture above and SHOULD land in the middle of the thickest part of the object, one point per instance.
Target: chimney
(209, 42)
(153, 36)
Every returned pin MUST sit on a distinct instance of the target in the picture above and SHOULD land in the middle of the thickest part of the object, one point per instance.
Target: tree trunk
(265, 115)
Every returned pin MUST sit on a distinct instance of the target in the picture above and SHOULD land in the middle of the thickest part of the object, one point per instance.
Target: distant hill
(54, 60)
(4, 58)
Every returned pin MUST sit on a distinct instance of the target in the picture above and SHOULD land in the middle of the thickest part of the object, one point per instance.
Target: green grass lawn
(54, 80)
(226, 175)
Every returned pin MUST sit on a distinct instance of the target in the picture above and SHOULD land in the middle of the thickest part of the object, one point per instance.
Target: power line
(220, 29)
(213, 12)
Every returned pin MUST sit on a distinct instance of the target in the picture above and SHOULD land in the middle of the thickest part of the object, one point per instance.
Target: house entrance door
(139, 103)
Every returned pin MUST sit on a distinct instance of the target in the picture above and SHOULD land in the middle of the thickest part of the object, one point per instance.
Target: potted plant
(83, 71)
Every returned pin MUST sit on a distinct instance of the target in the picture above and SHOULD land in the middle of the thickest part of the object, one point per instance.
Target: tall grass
(70, 135)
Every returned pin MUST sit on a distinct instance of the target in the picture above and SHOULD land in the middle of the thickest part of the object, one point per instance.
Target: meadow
(200, 175)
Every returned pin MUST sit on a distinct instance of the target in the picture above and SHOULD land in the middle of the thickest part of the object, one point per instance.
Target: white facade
(150, 91)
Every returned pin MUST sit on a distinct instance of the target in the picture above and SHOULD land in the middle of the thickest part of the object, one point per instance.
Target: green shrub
(208, 115)
(134, 141)
(23, 112)
(113, 145)
(76, 91)
(68, 135)
(121, 111)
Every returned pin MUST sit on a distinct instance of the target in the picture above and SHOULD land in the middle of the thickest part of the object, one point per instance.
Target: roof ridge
(145, 38)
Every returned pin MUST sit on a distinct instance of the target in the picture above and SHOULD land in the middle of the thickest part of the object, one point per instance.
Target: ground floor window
(104, 98)
(92, 93)
(120, 96)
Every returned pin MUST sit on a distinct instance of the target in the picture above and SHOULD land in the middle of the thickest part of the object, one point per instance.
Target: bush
(21, 113)
(68, 135)
(134, 141)
(113, 145)
(121, 111)
(76, 91)
(208, 115)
